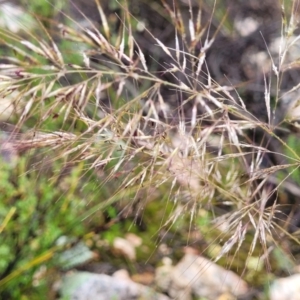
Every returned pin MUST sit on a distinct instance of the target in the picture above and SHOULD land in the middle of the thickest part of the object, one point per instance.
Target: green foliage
(293, 143)
(33, 214)
(44, 9)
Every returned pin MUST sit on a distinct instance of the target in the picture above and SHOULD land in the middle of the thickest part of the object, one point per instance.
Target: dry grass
(199, 149)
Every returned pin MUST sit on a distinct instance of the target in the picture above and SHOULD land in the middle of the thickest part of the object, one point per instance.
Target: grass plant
(90, 96)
